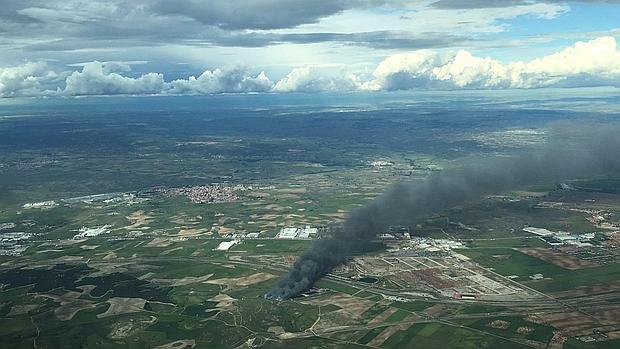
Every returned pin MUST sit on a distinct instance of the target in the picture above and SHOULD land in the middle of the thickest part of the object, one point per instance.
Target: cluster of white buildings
(15, 237)
(381, 163)
(92, 232)
(42, 204)
(562, 237)
(13, 244)
(9, 225)
(205, 194)
(297, 233)
(435, 245)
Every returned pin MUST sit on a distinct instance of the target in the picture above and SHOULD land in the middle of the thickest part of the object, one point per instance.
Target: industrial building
(466, 296)
(538, 231)
(288, 233)
(226, 245)
(297, 233)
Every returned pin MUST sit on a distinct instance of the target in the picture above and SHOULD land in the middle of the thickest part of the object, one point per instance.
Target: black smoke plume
(571, 151)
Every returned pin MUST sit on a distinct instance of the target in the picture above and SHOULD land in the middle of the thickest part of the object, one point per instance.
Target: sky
(153, 47)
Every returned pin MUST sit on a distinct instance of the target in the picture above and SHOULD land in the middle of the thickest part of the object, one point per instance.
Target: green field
(436, 335)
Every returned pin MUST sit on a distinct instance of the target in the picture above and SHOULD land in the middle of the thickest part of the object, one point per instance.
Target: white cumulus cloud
(28, 79)
(404, 71)
(236, 80)
(318, 79)
(592, 63)
(97, 78)
(585, 63)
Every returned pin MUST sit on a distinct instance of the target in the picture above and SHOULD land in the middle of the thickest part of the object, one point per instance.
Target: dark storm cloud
(478, 4)
(574, 150)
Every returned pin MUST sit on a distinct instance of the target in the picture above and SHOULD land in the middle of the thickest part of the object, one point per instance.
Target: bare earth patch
(22, 309)
(183, 219)
(108, 268)
(120, 305)
(166, 252)
(242, 281)
(224, 301)
(435, 310)
(159, 242)
(267, 217)
(110, 255)
(525, 330)
(387, 333)
(349, 304)
(259, 195)
(338, 215)
(383, 316)
(188, 280)
(69, 259)
(138, 221)
(70, 304)
(193, 231)
(89, 247)
(126, 328)
(500, 324)
(277, 330)
(589, 290)
(613, 335)
(274, 207)
(288, 196)
(557, 258)
(180, 344)
(87, 289)
(576, 324)
(292, 190)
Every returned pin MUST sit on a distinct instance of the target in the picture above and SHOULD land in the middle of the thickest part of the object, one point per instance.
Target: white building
(226, 245)
(538, 231)
(92, 232)
(288, 233)
(311, 231)
(537, 277)
(42, 204)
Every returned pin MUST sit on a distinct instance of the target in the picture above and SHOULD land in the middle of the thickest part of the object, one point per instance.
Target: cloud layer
(105, 79)
(68, 25)
(28, 79)
(236, 80)
(257, 14)
(592, 63)
(476, 4)
(318, 79)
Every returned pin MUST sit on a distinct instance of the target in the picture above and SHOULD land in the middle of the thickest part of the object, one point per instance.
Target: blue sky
(331, 44)
(581, 22)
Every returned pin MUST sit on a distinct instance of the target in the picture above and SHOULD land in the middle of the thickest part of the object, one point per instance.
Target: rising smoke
(571, 151)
